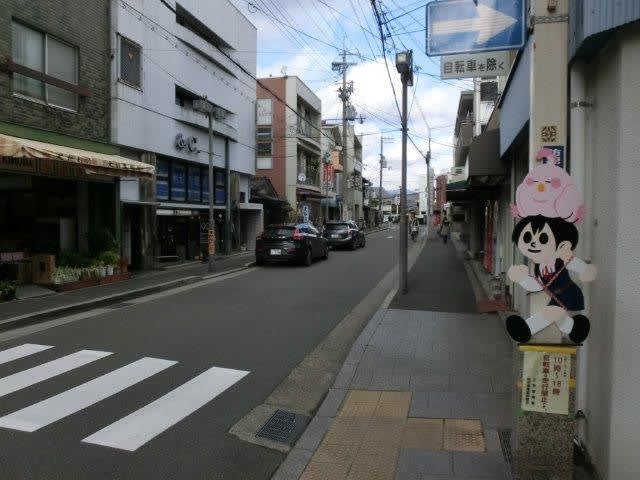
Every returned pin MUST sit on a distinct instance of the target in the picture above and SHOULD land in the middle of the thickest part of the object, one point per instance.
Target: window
(46, 54)
(263, 133)
(220, 188)
(263, 148)
(488, 91)
(190, 22)
(162, 180)
(178, 182)
(181, 181)
(204, 180)
(264, 112)
(193, 184)
(185, 98)
(130, 65)
(265, 163)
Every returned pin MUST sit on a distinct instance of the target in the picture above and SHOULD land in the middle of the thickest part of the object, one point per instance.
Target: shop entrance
(179, 238)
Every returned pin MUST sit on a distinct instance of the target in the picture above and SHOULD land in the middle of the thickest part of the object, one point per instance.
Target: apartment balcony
(309, 175)
(308, 135)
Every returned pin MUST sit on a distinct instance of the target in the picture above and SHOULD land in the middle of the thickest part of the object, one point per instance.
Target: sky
(303, 37)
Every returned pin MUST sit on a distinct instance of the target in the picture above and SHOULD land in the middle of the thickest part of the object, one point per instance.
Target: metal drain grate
(505, 442)
(283, 427)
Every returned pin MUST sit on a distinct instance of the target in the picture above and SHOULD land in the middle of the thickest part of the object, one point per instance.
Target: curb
(50, 314)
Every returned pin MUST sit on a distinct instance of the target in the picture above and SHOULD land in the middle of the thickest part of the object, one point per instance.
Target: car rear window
(279, 232)
(337, 226)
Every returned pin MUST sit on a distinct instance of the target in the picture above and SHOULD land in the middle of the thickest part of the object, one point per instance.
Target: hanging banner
(545, 382)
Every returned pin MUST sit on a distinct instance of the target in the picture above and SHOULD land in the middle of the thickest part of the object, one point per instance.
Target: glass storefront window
(178, 182)
(194, 184)
(162, 180)
(220, 189)
(205, 185)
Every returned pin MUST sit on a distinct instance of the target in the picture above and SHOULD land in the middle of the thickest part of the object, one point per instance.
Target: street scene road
(319, 239)
(140, 391)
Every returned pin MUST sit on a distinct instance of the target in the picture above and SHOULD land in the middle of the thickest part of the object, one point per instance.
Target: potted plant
(109, 259)
(58, 276)
(7, 290)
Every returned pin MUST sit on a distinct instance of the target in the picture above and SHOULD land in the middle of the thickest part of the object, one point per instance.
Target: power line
(238, 65)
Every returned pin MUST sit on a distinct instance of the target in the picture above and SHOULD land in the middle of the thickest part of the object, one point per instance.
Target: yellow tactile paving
(347, 431)
(395, 398)
(463, 435)
(325, 471)
(363, 396)
(424, 433)
(335, 453)
(358, 410)
(376, 454)
(365, 436)
(372, 472)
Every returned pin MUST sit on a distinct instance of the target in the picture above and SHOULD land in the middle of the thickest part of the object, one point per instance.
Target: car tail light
(260, 237)
(297, 235)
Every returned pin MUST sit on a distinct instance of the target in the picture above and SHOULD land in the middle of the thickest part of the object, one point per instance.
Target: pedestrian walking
(444, 229)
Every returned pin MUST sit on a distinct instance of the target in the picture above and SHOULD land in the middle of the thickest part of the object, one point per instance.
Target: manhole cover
(283, 427)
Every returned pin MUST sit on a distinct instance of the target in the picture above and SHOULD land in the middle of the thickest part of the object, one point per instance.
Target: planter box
(92, 282)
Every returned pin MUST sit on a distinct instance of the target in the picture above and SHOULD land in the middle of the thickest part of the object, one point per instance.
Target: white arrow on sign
(488, 24)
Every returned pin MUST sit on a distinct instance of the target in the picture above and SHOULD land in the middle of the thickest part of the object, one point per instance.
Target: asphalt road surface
(148, 389)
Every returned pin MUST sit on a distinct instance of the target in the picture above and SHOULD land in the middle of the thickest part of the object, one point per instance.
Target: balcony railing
(309, 175)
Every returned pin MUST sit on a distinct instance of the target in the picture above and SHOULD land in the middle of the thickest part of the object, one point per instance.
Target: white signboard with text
(545, 382)
(488, 64)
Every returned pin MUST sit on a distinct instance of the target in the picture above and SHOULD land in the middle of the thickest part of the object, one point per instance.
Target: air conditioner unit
(219, 113)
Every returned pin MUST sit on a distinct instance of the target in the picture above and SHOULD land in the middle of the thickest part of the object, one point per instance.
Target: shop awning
(31, 156)
(310, 194)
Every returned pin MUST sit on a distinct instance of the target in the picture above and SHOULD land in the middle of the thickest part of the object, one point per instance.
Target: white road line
(134, 430)
(20, 351)
(34, 375)
(55, 408)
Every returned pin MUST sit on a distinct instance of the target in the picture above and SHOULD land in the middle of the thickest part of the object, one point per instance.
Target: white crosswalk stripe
(51, 369)
(131, 431)
(136, 429)
(55, 408)
(21, 351)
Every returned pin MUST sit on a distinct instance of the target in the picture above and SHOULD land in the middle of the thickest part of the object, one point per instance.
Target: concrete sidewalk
(424, 393)
(17, 312)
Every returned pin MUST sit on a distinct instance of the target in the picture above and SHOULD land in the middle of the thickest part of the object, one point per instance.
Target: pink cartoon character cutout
(549, 204)
(548, 190)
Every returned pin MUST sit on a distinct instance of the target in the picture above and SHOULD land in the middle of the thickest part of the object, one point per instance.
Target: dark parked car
(344, 234)
(297, 242)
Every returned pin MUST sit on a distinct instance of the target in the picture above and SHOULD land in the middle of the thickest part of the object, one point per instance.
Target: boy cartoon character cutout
(548, 238)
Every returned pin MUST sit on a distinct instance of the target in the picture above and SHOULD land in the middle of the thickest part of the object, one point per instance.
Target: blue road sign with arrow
(461, 26)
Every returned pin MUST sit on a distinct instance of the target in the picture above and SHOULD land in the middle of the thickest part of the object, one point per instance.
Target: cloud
(432, 103)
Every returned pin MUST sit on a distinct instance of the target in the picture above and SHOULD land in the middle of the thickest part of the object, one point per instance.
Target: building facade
(588, 112)
(167, 58)
(289, 149)
(59, 174)
(331, 171)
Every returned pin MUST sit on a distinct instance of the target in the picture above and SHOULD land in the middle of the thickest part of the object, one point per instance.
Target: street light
(206, 107)
(404, 65)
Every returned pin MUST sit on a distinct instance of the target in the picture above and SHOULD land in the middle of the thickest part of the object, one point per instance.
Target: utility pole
(404, 65)
(383, 164)
(204, 106)
(345, 93)
(380, 191)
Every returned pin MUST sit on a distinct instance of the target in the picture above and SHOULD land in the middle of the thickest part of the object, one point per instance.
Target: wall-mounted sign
(558, 155)
(545, 382)
(473, 65)
(186, 143)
